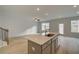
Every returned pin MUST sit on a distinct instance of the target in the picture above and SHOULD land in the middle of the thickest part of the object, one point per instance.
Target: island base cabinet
(50, 47)
(54, 45)
(53, 50)
(47, 50)
(33, 48)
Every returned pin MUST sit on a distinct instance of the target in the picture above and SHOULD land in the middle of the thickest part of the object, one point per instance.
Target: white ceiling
(54, 11)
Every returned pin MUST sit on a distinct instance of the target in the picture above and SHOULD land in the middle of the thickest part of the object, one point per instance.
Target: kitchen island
(39, 44)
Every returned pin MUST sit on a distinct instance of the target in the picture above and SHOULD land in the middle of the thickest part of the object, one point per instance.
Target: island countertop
(40, 39)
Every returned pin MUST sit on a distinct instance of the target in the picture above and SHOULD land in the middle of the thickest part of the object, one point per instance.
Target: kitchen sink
(50, 35)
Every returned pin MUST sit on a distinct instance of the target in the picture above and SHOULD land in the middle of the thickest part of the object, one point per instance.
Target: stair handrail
(6, 38)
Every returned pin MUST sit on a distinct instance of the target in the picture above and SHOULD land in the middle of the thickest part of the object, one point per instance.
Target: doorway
(61, 28)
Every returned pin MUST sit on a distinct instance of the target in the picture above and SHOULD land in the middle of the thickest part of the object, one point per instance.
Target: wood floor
(16, 46)
(19, 46)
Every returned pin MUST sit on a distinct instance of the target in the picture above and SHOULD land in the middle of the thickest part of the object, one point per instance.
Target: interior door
(61, 28)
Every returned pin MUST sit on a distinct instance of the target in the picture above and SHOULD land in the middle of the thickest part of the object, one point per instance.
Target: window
(45, 28)
(75, 26)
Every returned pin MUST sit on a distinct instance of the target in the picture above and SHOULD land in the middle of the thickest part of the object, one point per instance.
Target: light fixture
(36, 19)
(75, 6)
(38, 9)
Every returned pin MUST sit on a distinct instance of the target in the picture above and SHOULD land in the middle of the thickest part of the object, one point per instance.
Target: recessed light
(75, 6)
(38, 9)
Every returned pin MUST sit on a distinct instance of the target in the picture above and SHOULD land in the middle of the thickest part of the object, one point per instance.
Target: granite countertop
(40, 39)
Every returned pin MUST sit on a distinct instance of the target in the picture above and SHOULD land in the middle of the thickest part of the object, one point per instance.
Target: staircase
(3, 37)
(3, 43)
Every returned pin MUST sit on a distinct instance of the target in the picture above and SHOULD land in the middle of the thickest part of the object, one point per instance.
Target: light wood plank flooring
(16, 46)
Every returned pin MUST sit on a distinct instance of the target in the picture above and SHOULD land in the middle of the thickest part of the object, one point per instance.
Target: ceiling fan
(37, 19)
